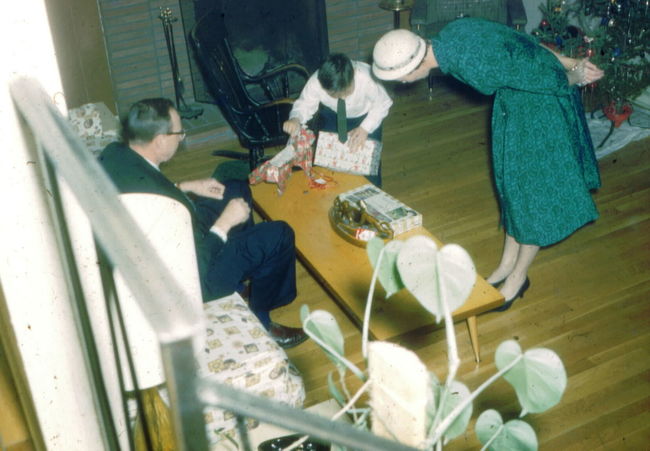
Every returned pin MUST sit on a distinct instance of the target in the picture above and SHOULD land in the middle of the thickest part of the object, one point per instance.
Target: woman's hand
(584, 72)
(203, 187)
(357, 139)
(291, 127)
(579, 72)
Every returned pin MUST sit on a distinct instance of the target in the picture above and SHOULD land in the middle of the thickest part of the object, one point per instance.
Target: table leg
(473, 336)
(396, 19)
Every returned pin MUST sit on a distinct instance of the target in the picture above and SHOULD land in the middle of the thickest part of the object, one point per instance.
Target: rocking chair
(254, 106)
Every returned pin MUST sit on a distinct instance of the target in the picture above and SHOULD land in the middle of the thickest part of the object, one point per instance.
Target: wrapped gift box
(333, 154)
(384, 207)
(297, 153)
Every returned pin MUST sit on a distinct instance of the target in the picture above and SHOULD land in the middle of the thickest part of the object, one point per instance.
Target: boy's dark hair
(146, 119)
(336, 74)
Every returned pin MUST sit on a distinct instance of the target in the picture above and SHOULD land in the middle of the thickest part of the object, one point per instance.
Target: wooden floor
(589, 295)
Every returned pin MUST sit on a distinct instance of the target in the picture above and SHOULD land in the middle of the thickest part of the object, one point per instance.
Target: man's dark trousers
(273, 283)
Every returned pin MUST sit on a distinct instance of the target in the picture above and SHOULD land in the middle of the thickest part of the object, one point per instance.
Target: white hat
(397, 53)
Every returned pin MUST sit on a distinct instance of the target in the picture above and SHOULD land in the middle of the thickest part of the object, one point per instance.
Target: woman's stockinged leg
(508, 260)
(517, 277)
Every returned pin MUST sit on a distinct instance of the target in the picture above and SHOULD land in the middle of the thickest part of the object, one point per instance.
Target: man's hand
(204, 187)
(236, 212)
(357, 139)
(291, 127)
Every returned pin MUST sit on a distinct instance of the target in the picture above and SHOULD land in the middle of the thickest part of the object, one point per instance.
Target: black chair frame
(256, 118)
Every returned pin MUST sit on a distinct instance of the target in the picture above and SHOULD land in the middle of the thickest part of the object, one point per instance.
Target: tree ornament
(544, 23)
(589, 53)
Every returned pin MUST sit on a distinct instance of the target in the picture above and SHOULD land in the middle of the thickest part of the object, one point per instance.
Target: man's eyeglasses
(182, 133)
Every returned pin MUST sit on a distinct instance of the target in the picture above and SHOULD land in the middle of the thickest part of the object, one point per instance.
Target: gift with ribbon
(297, 153)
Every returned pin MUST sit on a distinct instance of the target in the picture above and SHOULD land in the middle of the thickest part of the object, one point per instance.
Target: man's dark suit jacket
(131, 173)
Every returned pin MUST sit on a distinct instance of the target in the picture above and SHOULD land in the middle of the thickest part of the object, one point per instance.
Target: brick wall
(139, 60)
(355, 25)
(137, 52)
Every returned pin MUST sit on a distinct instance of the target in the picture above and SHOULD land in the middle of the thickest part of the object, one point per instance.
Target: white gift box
(384, 207)
(333, 154)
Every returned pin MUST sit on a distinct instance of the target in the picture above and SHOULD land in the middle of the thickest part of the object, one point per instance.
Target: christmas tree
(613, 34)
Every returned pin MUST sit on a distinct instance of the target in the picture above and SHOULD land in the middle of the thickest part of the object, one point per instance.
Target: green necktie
(341, 121)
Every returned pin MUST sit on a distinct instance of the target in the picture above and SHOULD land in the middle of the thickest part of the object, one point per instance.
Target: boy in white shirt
(349, 101)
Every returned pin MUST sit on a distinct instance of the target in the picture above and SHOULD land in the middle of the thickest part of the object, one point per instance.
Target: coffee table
(343, 268)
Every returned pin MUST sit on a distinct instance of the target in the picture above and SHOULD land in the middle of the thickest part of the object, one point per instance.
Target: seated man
(229, 247)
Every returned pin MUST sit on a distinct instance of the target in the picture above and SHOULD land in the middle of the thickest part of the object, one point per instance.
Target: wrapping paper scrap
(297, 153)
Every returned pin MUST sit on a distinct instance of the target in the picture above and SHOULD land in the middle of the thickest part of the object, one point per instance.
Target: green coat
(543, 159)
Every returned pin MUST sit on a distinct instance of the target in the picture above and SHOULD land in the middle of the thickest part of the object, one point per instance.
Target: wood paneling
(80, 51)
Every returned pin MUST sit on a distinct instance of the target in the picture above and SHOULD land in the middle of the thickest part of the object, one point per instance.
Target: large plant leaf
(538, 377)
(399, 393)
(387, 274)
(457, 393)
(514, 435)
(334, 391)
(422, 267)
(323, 326)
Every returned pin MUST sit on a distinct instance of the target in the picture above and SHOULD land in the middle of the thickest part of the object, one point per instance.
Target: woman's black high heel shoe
(497, 283)
(520, 294)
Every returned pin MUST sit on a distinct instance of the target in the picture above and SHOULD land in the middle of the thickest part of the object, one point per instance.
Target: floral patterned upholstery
(95, 124)
(241, 353)
(234, 349)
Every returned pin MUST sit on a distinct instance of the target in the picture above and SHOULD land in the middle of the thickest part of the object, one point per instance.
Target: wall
(79, 41)
(137, 50)
(138, 56)
(355, 25)
(533, 13)
(34, 287)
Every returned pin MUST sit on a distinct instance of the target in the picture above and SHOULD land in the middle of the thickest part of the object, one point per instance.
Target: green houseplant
(407, 402)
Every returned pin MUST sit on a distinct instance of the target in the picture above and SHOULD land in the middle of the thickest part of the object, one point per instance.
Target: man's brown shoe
(287, 337)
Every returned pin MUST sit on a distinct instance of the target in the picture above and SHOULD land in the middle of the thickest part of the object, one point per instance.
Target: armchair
(233, 347)
(254, 106)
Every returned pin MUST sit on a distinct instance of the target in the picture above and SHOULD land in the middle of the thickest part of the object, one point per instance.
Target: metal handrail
(175, 330)
(112, 224)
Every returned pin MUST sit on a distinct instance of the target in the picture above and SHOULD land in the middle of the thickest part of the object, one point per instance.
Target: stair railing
(64, 155)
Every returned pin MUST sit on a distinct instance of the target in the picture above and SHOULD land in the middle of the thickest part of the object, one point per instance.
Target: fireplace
(139, 62)
(263, 34)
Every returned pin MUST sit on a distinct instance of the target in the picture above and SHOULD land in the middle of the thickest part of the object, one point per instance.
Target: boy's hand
(291, 127)
(357, 139)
